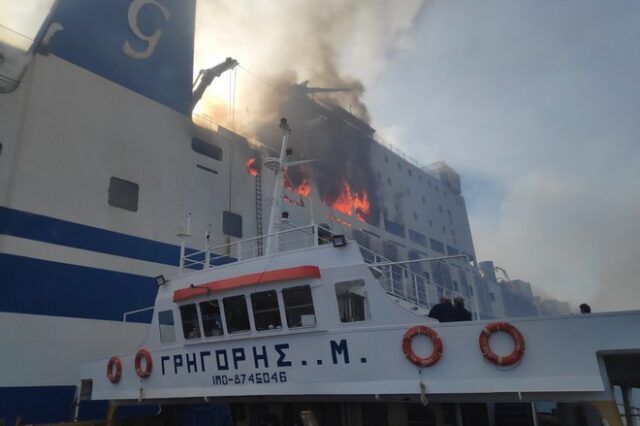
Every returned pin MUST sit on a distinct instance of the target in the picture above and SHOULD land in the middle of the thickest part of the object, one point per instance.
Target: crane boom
(205, 77)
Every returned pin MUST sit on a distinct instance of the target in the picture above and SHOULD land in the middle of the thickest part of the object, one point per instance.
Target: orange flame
(252, 167)
(303, 189)
(350, 202)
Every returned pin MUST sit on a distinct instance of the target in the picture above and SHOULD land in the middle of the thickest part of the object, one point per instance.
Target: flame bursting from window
(303, 188)
(252, 166)
(351, 202)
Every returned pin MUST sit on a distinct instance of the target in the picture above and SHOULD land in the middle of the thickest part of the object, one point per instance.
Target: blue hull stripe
(40, 404)
(56, 231)
(34, 286)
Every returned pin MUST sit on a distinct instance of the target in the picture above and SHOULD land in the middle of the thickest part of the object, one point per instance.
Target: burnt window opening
(231, 224)
(123, 194)
(207, 149)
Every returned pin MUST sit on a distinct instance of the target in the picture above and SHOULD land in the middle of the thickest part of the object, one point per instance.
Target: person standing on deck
(460, 313)
(442, 311)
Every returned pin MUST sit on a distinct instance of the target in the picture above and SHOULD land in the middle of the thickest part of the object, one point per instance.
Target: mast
(278, 165)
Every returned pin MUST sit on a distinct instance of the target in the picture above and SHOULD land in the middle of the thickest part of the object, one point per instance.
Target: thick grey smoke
(333, 43)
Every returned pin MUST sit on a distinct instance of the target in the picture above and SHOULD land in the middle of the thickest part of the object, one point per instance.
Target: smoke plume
(333, 43)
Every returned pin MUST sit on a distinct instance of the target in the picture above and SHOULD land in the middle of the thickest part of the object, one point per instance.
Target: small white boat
(301, 314)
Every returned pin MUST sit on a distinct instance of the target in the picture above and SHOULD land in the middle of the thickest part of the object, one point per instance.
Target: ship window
(236, 314)
(190, 324)
(123, 194)
(352, 301)
(206, 149)
(211, 318)
(232, 224)
(298, 306)
(167, 326)
(266, 311)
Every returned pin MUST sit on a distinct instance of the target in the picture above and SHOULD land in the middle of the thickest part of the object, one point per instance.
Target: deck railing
(289, 238)
(401, 281)
(397, 279)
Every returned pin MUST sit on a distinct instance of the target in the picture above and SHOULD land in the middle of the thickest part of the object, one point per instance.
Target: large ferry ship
(102, 165)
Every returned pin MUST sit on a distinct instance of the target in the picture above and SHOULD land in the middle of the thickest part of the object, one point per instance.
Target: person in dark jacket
(442, 311)
(460, 313)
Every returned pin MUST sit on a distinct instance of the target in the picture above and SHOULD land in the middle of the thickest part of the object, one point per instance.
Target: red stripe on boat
(250, 279)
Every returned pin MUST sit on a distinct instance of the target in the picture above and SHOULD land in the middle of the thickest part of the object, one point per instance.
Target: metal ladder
(258, 194)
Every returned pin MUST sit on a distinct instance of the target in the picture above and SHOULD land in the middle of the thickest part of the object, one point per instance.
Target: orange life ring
(148, 363)
(435, 339)
(114, 369)
(517, 353)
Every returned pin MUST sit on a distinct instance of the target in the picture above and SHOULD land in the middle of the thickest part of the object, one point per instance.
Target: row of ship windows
(435, 187)
(211, 318)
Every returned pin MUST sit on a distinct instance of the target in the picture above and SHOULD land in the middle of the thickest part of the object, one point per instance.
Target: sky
(537, 106)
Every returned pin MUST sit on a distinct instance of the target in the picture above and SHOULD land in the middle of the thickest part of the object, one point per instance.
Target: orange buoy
(436, 354)
(114, 369)
(517, 353)
(148, 363)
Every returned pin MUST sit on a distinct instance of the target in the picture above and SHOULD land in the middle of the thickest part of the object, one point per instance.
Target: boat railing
(408, 282)
(405, 281)
(288, 238)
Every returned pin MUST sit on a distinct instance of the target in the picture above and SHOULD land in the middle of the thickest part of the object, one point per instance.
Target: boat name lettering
(225, 359)
(233, 359)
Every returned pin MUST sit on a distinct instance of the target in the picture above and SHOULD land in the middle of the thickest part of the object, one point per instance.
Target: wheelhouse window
(298, 306)
(167, 326)
(236, 314)
(266, 310)
(352, 301)
(190, 323)
(211, 318)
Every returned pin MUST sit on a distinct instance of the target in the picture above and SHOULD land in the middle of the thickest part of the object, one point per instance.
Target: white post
(183, 234)
(277, 188)
(207, 248)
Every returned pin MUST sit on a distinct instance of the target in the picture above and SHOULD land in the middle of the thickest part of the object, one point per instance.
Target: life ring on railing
(436, 354)
(514, 357)
(114, 369)
(148, 363)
